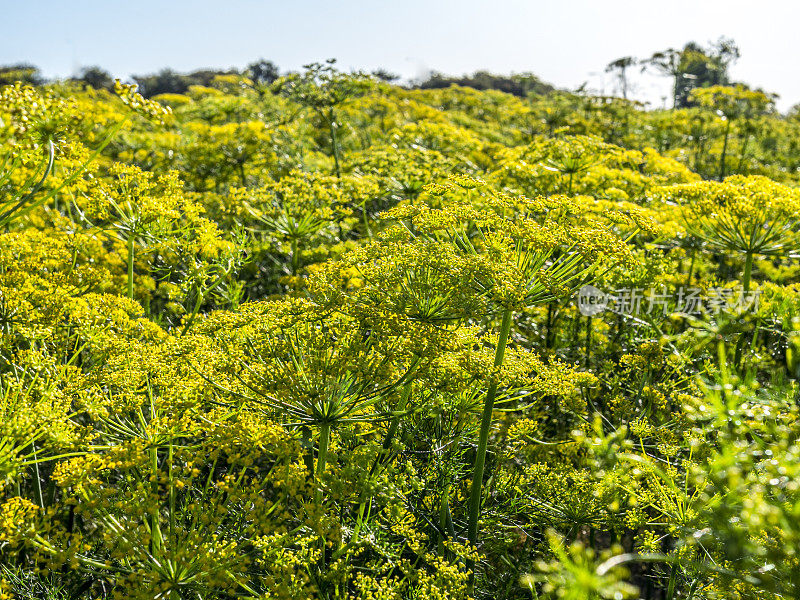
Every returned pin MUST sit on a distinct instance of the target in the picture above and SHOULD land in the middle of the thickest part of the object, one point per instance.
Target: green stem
(483, 438)
(691, 269)
(156, 538)
(673, 578)
(724, 151)
(295, 257)
(748, 268)
(322, 457)
(130, 264)
(196, 309)
(37, 481)
(387, 444)
(445, 520)
(393, 426)
(675, 91)
(444, 501)
(201, 295)
(588, 341)
(308, 451)
(334, 142)
(365, 216)
(722, 360)
(548, 326)
(171, 493)
(743, 155)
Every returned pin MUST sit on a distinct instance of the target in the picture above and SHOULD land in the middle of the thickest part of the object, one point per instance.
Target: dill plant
(342, 402)
(323, 89)
(746, 215)
(528, 252)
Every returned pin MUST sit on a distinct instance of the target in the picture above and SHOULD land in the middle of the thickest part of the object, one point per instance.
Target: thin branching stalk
(322, 457)
(748, 268)
(131, 250)
(483, 438)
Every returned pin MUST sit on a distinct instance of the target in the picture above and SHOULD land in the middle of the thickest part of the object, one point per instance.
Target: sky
(564, 42)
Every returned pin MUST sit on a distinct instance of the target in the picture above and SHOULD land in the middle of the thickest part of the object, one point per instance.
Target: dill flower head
(733, 101)
(585, 165)
(525, 251)
(134, 198)
(742, 213)
(423, 281)
(322, 86)
(313, 367)
(302, 205)
(141, 105)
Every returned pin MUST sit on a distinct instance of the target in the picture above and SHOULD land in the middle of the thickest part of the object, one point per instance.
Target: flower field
(330, 337)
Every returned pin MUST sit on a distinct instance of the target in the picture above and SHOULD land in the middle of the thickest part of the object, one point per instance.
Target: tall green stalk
(295, 257)
(131, 242)
(724, 153)
(384, 452)
(588, 345)
(365, 217)
(445, 520)
(37, 480)
(156, 538)
(548, 326)
(483, 438)
(748, 268)
(322, 457)
(673, 578)
(334, 142)
(197, 303)
(322, 460)
(691, 268)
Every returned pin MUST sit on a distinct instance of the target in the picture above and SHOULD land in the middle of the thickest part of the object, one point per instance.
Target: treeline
(689, 68)
(264, 72)
(166, 81)
(520, 84)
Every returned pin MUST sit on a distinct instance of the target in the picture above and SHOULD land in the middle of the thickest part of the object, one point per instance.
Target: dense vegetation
(317, 337)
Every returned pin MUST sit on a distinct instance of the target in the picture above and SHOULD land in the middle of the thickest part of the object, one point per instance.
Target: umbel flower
(324, 89)
(141, 105)
(301, 209)
(527, 252)
(40, 127)
(751, 215)
(311, 371)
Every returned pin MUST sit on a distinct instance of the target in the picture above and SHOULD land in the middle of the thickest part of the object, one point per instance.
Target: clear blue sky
(565, 42)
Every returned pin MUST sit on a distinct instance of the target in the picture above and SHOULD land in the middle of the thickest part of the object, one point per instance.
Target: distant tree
(384, 75)
(96, 77)
(667, 62)
(206, 77)
(621, 66)
(694, 67)
(168, 81)
(165, 81)
(706, 67)
(24, 72)
(520, 84)
(263, 72)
